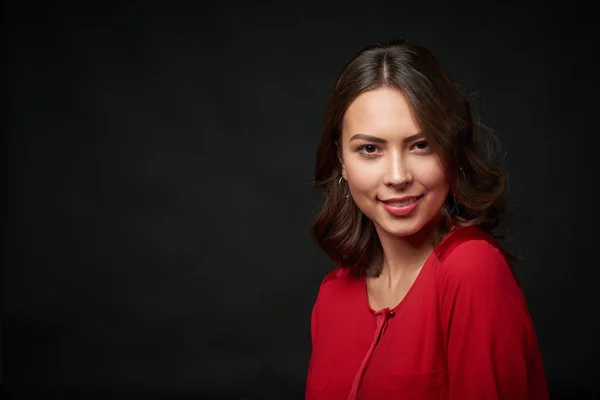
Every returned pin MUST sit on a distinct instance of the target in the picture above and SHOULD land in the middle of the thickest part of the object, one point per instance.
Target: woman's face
(393, 175)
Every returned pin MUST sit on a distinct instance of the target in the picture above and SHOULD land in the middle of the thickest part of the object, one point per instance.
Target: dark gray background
(159, 165)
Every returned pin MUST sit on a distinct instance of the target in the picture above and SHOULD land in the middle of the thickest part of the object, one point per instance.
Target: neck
(404, 255)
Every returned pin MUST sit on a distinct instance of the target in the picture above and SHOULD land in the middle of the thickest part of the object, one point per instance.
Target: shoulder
(469, 255)
(336, 277)
(338, 273)
(337, 283)
(473, 274)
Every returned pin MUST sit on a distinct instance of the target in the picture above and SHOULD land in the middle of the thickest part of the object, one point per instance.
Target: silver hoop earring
(340, 181)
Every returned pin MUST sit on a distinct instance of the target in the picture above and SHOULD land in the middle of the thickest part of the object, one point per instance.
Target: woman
(423, 303)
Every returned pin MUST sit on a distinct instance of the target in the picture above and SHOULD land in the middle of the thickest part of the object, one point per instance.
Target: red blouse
(463, 331)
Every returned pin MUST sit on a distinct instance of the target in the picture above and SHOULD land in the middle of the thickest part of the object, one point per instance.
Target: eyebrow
(375, 139)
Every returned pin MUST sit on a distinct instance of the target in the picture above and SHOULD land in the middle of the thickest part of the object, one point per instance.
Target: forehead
(380, 112)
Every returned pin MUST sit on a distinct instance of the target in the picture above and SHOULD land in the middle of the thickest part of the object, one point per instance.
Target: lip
(401, 211)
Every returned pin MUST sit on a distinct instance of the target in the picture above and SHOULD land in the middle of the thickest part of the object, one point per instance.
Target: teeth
(402, 203)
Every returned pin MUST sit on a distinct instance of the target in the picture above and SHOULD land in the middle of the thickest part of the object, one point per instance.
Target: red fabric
(463, 331)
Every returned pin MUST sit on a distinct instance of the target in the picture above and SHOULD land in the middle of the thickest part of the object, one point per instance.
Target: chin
(401, 228)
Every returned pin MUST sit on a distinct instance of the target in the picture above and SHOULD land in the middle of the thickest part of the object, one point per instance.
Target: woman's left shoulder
(472, 254)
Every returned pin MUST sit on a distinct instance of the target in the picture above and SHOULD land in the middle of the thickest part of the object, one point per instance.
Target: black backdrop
(159, 166)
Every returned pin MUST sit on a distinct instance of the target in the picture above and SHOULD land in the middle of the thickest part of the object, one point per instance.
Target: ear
(341, 159)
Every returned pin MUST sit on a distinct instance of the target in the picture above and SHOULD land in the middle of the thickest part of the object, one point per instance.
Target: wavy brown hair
(443, 112)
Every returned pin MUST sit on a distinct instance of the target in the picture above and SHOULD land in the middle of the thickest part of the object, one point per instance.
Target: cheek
(432, 176)
(436, 183)
(361, 177)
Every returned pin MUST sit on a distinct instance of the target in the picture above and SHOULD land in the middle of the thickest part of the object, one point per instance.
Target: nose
(398, 174)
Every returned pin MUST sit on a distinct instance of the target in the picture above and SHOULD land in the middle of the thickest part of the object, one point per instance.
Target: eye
(422, 146)
(368, 150)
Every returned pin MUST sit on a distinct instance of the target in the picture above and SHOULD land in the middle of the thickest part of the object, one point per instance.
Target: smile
(402, 203)
(401, 207)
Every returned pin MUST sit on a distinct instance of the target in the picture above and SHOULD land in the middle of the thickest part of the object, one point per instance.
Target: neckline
(424, 268)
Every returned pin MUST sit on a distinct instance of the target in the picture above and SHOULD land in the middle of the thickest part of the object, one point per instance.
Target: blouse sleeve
(491, 346)
(313, 323)
(316, 306)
